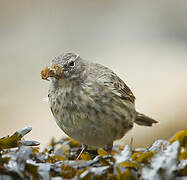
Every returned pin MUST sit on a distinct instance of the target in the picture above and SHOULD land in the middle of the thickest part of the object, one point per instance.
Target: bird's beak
(56, 72)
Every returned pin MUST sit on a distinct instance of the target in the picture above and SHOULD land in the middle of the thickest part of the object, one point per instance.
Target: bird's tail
(144, 120)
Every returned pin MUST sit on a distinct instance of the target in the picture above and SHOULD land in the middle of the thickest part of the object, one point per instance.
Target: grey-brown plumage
(90, 103)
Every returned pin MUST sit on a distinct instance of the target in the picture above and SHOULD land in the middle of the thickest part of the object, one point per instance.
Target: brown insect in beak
(56, 72)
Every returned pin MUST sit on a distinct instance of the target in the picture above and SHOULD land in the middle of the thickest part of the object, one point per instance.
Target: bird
(89, 102)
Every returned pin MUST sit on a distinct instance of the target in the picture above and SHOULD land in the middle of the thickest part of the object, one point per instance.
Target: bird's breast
(86, 115)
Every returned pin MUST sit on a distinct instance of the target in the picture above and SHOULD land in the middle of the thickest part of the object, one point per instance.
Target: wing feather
(113, 82)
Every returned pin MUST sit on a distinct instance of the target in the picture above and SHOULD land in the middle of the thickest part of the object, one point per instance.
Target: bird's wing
(114, 83)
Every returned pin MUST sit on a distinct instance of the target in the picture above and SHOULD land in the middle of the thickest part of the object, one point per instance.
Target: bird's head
(65, 67)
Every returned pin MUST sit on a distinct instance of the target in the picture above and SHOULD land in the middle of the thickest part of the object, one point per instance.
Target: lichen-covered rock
(15, 140)
(163, 164)
(162, 160)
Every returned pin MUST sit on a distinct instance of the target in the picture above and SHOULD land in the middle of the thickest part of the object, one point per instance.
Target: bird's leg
(84, 147)
(131, 142)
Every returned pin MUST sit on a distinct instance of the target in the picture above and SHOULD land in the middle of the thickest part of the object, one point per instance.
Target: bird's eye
(72, 63)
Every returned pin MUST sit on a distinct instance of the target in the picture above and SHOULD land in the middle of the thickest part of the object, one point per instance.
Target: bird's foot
(109, 147)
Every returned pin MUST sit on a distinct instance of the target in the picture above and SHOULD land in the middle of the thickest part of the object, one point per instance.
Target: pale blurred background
(145, 42)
